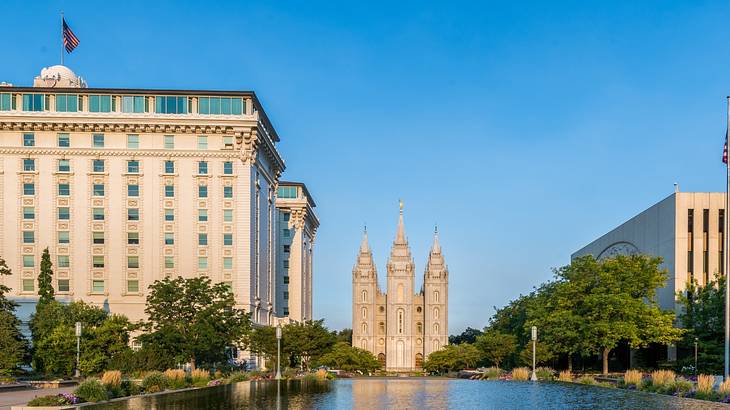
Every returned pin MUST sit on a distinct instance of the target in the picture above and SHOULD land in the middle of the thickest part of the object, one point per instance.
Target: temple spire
(365, 246)
(400, 236)
(436, 246)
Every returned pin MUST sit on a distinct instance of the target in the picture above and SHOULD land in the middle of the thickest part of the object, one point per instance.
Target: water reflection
(393, 393)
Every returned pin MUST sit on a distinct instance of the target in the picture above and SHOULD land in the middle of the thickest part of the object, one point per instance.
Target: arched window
(364, 296)
(401, 321)
(435, 328)
(419, 360)
(436, 345)
(419, 327)
(381, 327)
(364, 344)
(364, 328)
(436, 296)
(435, 313)
(364, 313)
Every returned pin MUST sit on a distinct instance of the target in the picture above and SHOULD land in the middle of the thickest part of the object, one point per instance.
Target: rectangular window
(227, 192)
(228, 215)
(97, 261)
(169, 167)
(132, 141)
(97, 214)
(67, 102)
(133, 167)
(220, 105)
(63, 285)
(169, 215)
(64, 189)
(227, 239)
(286, 295)
(169, 191)
(98, 190)
(133, 191)
(64, 165)
(286, 263)
(34, 102)
(202, 262)
(97, 286)
(132, 238)
(202, 191)
(202, 142)
(64, 237)
(7, 102)
(28, 165)
(64, 213)
(97, 238)
(133, 104)
(287, 248)
(171, 105)
(169, 262)
(29, 189)
(133, 214)
(28, 285)
(133, 262)
(63, 261)
(286, 232)
(64, 141)
(101, 103)
(97, 165)
(169, 142)
(29, 139)
(202, 215)
(228, 168)
(169, 238)
(202, 167)
(98, 140)
(202, 239)
(287, 192)
(227, 262)
(28, 237)
(28, 261)
(286, 280)
(28, 212)
(228, 142)
(287, 215)
(132, 286)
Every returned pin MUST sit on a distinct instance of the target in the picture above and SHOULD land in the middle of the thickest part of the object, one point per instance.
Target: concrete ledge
(14, 386)
(42, 407)
(53, 384)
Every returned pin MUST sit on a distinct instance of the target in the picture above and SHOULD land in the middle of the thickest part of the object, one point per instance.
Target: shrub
(289, 373)
(91, 390)
(662, 378)
(520, 374)
(545, 373)
(565, 376)
(322, 374)
(239, 376)
(705, 383)
(724, 388)
(129, 388)
(50, 400)
(309, 378)
(176, 378)
(154, 382)
(682, 386)
(588, 380)
(492, 373)
(200, 377)
(112, 378)
(633, 377)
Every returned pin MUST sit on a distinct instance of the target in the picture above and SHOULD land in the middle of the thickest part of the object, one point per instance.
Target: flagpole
(61, 37)
(727, 254)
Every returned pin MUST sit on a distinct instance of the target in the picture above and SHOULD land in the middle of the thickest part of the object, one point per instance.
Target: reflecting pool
(407, 393)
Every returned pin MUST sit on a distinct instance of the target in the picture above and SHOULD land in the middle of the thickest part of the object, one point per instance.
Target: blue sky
(524, 130)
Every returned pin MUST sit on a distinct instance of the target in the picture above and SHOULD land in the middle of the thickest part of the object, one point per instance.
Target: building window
(169, 142)
(64, 141)
(169, 215)
(133, 190)
(64, 213)
(98, 140)
(286, 280)
(97, 238)
(97, 286)
(286, 232)
(227, 239)
(202, 167)
(171, 105)
(287, 192)
(286, 311)
(169, 238)
(220, 105)
(228, 168)
(67, 102)
(63, 261)
(706, 245)
(28, 285)
(169, 262)
(228, 215)
(202, 191)
(286, 216)
(435, 313)
(63, 285)
(690, 243)
(400, 321)
(97, 261)
(101, 103)
(28, 165)
(64, 165)
(202, 215)
(227, 192)
(7, 102)
(227, 263)
(436, 296)
(64, 237)
(286, 295)
(202, 262)
(202, 239)
(64, 190)
(34, 102)
(285, 263)
(29, 139)
(132, 286)
(29, 189)
(721, 241)
(381, 327)
(28, 261)
(97, 214)
(364, 312)
(133, 214)
(202, 142)
(28, 212)
(227, 142)
(97, 165)
(169, 167)
(419, 327)
(132, 262)
(132, 238)
(132, 141)
(28, 237)
(435, 328)
(169, 191)
(287, 248)
(133, 104)
(98, 190)
(133, 167)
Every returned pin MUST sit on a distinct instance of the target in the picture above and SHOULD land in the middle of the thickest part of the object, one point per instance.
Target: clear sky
(524, 130)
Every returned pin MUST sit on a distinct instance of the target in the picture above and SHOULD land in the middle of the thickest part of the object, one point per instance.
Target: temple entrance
(381, 360)
(419, 360)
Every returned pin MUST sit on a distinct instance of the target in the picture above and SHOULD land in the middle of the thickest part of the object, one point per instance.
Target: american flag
(70, 41)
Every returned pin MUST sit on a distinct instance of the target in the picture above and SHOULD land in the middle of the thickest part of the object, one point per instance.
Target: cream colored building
(128, 186)
(400, 327)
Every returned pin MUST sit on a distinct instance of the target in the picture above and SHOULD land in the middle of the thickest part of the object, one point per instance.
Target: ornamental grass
(520, 374)
(662, 377)
(200, 377)
(112, 378)
(724, 388)
(565, 376)
(491, 373)
(633, 377)
(705, 383)
(176, 378)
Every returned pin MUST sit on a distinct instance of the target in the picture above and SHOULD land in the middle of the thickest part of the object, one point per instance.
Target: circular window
(382, 342)
(418, 309)
(381, 309)
(418, 342)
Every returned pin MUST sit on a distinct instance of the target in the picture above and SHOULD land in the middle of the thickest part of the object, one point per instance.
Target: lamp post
(278, 351)
(696, 370)
(78, 348)
(534, 340)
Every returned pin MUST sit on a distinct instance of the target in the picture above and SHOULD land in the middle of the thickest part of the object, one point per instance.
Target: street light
(534, 340)
(696, 370)
(78, 348)
(278, 351)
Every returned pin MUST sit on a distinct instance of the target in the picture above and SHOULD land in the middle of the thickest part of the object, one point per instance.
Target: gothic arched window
(381, 327)
(364, 328)
(419, 328)
(435, 313)
(401, 321)
(364, 344)
(364, 313)
(436, 296)
(364, 296)
(436, 345)
(435, 328)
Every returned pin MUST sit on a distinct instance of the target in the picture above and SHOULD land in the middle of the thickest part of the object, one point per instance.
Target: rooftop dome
(59, 76)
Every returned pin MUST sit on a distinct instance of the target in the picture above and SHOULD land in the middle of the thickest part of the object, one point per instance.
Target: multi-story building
(297, 227)
(401, 328)
(127, 186)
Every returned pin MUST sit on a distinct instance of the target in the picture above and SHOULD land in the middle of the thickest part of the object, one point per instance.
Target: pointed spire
(400, 236)
(365, 246)
(436, 246)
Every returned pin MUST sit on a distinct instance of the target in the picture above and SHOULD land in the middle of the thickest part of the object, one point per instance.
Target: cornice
(117, 152)
(74, 125)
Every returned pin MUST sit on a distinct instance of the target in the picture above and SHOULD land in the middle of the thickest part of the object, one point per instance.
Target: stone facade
(400, 327)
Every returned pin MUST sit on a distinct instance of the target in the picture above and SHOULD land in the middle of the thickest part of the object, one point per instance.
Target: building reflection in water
(399, 394)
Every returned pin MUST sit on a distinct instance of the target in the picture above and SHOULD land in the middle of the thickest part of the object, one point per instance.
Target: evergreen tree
(13, 346)
(45, 279)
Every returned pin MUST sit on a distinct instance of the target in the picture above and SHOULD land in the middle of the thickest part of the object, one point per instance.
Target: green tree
(194, 319)
(495, 346)
(345, 357)
(13, 346)
(45, 279)
(306, 341)
(452, 358)
(467, 336)
(543, 354)
(703, 309)
(344, 335)
(262, 342)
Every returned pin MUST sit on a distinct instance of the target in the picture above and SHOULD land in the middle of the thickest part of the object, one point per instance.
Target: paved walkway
(18, 397)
